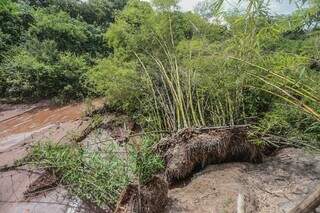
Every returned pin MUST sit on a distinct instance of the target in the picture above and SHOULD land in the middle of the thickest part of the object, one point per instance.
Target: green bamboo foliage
(288, 89)
(174, 105)
(178, 100)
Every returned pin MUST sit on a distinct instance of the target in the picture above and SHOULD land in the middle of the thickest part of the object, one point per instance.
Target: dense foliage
(47, 47)
(169, 69)
(173, 69)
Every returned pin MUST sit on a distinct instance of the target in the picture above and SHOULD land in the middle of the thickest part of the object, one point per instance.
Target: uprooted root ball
(153, 197)
(191, 149)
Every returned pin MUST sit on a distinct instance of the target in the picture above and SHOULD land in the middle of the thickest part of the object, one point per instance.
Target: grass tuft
(91, 176)
(98, 177)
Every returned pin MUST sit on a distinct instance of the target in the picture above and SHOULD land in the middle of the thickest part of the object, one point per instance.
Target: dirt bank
(274, 186)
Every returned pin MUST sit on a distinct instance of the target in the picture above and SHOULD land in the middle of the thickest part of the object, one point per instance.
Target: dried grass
(44, 183)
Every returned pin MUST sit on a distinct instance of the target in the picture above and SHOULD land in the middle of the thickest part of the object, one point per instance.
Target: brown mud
(36, 117)
(274, 186)
(20, 127)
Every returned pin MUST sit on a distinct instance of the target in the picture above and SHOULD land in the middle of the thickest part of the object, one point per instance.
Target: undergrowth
(145, 162)
(87, 175)
(98, 177)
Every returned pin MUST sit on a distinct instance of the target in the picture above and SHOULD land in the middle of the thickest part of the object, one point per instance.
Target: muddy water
(19, 123)
(21, 126)
(39, 118)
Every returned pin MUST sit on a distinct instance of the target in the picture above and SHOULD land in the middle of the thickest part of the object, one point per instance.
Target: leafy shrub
(38, 70)
(118, 82)
(27, 76)
(67, 32)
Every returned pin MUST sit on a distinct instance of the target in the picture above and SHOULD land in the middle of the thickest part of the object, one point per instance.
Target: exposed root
(192, 149)
(153, 197)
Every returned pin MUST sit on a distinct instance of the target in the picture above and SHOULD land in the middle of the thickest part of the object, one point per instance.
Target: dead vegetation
(44, 183)
(119, 127)
(150, 198)
(192, 149)
(95, 122)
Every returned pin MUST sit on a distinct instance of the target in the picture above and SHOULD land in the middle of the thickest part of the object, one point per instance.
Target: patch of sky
(276, 6)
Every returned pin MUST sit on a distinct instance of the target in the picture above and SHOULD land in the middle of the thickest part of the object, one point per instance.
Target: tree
(97, 12)
(15, 20)
(166, 5)
(46, 46)
(205, 9)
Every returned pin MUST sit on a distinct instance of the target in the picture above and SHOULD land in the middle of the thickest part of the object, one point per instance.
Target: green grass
(145, 162)
(98, 177)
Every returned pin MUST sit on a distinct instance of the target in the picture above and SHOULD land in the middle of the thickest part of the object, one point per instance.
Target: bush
(68, 33)
(72, 80)
(118, 82)
(38, 70)
(27, 76)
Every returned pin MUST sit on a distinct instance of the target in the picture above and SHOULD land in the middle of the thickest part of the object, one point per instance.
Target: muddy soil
(20, 127)
(274, 186)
